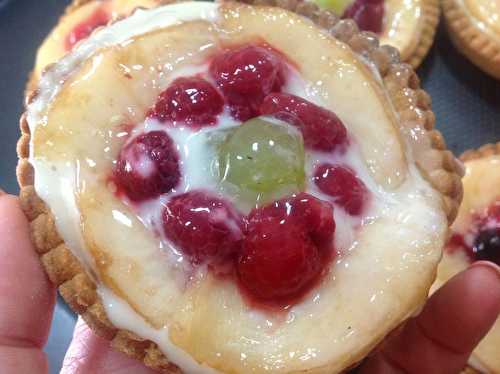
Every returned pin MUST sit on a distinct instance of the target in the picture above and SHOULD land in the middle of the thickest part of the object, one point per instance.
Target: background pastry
(78, 22)
(476, 236)
(474, 28)
(409, 26)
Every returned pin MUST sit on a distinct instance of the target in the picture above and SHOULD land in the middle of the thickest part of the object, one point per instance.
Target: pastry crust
(476, 44)
(431, 13)
(485, 151)
(411, 103)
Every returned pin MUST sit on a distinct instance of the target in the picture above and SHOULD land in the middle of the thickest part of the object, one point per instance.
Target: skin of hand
(439, 340)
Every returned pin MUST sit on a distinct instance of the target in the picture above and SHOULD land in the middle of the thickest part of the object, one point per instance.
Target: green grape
(338, 6)
(262, 160)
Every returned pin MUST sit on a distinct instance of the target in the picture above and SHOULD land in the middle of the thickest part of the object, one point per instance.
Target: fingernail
(487, 265)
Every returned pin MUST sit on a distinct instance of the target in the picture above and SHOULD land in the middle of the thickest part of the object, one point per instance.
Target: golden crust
(431, 13)
(476, 44)
(484, 151)
(412, 104)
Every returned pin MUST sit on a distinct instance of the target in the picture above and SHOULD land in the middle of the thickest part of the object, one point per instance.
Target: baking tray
(466, 103)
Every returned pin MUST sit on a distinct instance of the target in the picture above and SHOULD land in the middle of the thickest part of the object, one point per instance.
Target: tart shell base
(479, 47)
(412, 104)
(431, 13)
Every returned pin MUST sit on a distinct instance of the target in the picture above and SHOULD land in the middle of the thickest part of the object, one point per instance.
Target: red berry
(368, 14)
(147, 166)
(192, 100)
(341, 182)
(322, 130)
(245, 76)
(203, 227)
(286, 248)
(81, 31)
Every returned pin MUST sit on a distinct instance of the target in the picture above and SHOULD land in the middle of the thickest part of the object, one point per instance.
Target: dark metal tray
(466, 103)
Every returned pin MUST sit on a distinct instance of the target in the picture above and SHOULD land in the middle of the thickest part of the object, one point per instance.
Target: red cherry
(286, 248)
(368, 14)
(81, 31)
(147, 166)
(203, 227)
(341, 182)
(246, 75)
(192, 100)
(322, 130)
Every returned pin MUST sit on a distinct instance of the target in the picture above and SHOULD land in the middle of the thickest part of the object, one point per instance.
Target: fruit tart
(409, 26)
(79, 20)
(474, 28)
(224, 187)
(476, 236)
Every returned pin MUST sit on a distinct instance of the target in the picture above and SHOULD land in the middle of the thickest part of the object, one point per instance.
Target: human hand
(439, 340)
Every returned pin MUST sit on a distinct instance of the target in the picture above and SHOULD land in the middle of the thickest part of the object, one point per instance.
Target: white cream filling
(56, 184)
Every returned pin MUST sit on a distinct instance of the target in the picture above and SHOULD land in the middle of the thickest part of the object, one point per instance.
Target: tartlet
(474, 28)
(132, 174)
(80, 18)
(410, 26)
(476, 236)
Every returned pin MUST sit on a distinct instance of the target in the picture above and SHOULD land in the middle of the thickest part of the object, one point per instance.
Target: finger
(442, 337)
(26, 295)
(89, 353)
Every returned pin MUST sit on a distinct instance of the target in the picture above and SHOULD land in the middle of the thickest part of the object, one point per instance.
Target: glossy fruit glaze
(368, 14)
(100, 17)
(279, 250)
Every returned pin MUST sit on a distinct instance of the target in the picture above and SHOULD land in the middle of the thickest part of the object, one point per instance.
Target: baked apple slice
(229, 182)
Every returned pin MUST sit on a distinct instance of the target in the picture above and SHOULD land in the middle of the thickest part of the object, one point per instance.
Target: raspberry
(341, 183)
(204, 228)
(147, 167)
(368, 14)
(322, 130)
(245, 76)
(286, 248)
(192, 100)
(81, 31)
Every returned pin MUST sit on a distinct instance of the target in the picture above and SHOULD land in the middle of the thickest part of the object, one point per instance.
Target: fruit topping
(368, 14)
(321, 128)
(204, 228)
(482, 240)
(245, 76)
(263, 159)
(338, 6)
(81, 31)
(147, 166)
(192, 101)
(487, 245)
(342, 183)
(286, 248)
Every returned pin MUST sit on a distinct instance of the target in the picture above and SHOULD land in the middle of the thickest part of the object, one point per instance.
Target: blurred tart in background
(474, 28)
(408, 25)
(77, 23)
(476, 236)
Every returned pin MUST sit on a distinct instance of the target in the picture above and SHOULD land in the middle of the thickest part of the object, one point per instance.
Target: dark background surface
(466, 103)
